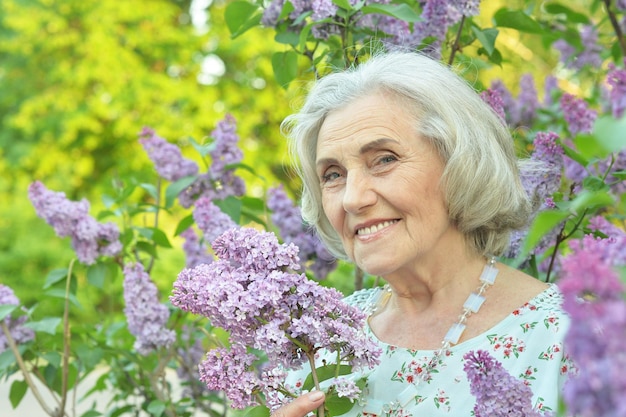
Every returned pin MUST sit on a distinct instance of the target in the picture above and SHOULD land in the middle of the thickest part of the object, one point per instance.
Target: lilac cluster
(190, 353)
(496, 102)
(211, 219)
(520, 111)
(166, 157)
(594, 297)
(287, 217)
(498, 393)
(540, 182)
(147, 317)
(90, 239)
(616, 79)
(19, 333)
(250, 292)
(577, 114)
(196, 249)
(590, 54)
(220, 181)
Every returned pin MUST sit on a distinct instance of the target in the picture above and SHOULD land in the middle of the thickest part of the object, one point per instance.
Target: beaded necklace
(471, 306)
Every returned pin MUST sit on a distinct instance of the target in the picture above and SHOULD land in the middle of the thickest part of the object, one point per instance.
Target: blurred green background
(80, 78)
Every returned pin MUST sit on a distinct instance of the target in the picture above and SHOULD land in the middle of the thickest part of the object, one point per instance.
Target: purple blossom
(508, 102)
(90, 239)
(346, 387)
(272, 13)
(590, 54)
(250, 293)
(547, 180)
(18, 332)
(166, 157)
(620, 4)
(495, 101)
(220, 182)
(578, 115)
(147, 317)
(191, 354)
(616, 78)
(196, 250)
(498, 394)
(594, 298)
(550, 87)
(288, 218)
(527, 102)
(211, 219)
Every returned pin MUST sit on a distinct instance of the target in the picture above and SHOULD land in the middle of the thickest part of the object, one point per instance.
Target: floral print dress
(528, 343)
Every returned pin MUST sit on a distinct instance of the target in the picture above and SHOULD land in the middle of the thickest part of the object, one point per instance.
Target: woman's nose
(359, 193)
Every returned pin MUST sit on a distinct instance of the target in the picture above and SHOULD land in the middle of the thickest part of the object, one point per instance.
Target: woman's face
(380, 186)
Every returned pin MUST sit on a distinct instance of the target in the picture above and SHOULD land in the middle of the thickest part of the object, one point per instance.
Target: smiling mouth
(375, 228)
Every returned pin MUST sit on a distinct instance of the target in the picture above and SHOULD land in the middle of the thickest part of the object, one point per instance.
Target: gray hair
(481, 180)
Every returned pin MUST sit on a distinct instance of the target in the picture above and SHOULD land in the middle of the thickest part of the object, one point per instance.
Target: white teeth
(375, 228)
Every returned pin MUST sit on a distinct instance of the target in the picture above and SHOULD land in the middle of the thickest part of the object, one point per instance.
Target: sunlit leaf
(400, 11)
(517, 19)
(285, 66)
(47, 325)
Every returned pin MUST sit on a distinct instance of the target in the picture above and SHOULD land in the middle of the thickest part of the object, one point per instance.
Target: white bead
(455, 332)
(489, 275)
(474, 302)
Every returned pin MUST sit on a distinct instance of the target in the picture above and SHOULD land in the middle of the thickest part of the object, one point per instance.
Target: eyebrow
(368, 147)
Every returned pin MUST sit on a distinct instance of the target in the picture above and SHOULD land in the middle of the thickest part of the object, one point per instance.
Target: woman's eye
(330, 176)
(387, 159)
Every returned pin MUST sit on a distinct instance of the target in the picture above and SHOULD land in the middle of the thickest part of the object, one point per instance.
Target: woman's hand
(301, 406)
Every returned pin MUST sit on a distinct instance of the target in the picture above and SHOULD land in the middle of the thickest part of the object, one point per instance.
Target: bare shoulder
(517, 287)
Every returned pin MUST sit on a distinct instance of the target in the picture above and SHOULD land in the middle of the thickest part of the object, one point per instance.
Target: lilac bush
(166, 157)
(17, 331)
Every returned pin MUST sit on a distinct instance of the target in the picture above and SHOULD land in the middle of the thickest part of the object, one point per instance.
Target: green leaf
(257, 411)
(231, 206)
(238, 15)
(47, 325)
(156, 408)
(92, 413)
(148, 248)
(5, 310)
(543, 223)
(594, 183)
(621, 175)
(487, 38)
(337, 405)
(175, 188)
(203, 150)
(324, 373)
(150, 189)
(571, 15)
(7, 358)
(184, 224)
(18, 390)
(590, 200)
(610, 133)
(344, 4)
(287, 37)
(517, 19)
(400, 11)
(60, 293)
(96, 274)
(55, 276)
(156, 235)
(285, 66)
(571, 153)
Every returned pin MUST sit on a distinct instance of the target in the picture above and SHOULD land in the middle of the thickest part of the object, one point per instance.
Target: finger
(301, 406)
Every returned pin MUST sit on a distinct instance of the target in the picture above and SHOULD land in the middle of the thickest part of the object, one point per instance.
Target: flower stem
(66, 339)
(311, 357)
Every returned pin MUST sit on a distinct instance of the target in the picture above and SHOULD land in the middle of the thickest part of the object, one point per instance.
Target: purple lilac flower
(166, 157)
(495, 101)
(147, 317)
(190, 354)
(498, 394)
(196, 250)
(250, 292)
(616, 78)
(527, 101)
(508, 102)
(18, 332)
(288, 218)
(578, 115)
(590, 54)
(272, 13)
(211, 219)
(90, 239)
(221, 181)
(594, 298)
(550, 87)
(540, 183)
(620, 4)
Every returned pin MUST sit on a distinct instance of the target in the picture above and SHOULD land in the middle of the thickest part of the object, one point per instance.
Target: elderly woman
(411, 176)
